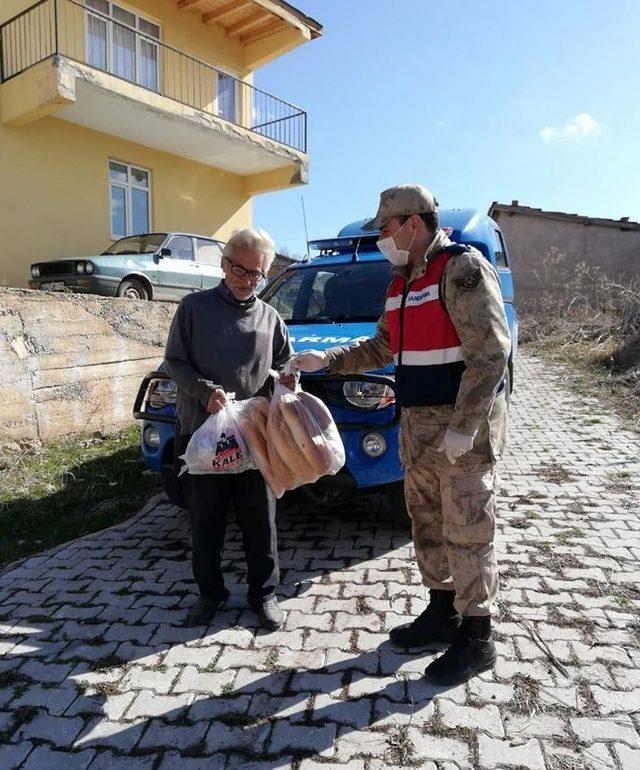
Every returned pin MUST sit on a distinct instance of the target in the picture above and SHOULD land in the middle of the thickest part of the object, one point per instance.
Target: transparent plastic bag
(218, 445)
(303, 441)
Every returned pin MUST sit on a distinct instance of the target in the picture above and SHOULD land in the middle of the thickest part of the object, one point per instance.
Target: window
(501, 251)
(113, 44)
(208, 252)
(227, 97)
(129, 193)
(336, 293)
(181, 247)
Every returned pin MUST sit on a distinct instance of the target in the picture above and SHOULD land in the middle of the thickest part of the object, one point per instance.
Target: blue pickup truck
(332, 299)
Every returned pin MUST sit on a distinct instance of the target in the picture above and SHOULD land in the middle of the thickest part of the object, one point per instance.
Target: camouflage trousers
(453, 507)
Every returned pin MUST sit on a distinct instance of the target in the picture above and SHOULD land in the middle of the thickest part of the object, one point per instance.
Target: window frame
(110, 21)
(499, 238)
(128, 187)
(167, 245)
(197, 239)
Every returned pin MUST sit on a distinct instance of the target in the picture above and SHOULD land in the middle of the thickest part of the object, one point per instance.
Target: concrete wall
(71, 364)
(535, 243)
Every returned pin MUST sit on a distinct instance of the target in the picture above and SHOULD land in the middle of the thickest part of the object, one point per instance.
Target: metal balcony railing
(80, 31)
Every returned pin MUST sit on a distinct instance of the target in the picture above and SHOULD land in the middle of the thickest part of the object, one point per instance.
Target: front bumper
(77, 284)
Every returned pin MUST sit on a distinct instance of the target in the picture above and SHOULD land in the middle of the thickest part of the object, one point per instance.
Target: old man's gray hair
(255, 240)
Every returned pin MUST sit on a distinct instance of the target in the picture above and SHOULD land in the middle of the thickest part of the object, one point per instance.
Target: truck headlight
(80, 267)
(151, 437)
(89, 267)
(35, 271)
(368, 395)
(162, 393)
(374, 445)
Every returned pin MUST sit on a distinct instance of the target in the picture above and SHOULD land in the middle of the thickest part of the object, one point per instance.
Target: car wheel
(172, 486)
(397, 506)
(132, 288)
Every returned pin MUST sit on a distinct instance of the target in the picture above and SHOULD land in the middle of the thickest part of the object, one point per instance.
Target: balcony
(65, 58)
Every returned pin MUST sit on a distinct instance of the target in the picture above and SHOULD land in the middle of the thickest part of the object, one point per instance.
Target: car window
(136, 244)
(336, 293)
(500, 250)
(208, 252)
(181, 247)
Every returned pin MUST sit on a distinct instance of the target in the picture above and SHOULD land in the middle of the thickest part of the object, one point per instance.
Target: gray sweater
(217, 342)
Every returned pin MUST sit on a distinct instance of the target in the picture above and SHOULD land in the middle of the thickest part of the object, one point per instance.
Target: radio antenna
(304, 219)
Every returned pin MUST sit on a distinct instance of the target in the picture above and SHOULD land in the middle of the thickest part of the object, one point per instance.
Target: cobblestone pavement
(97, 669)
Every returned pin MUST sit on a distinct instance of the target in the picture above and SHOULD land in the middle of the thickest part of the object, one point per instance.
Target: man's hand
(308, 361)
(455, 444)
(216, 401)
(289, 381)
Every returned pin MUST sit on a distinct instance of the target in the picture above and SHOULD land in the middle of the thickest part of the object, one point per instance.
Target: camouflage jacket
(474, 302)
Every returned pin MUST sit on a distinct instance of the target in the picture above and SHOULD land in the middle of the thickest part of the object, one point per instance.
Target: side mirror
(165, 252)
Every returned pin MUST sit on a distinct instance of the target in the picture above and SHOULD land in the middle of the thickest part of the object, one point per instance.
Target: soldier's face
(401, 232)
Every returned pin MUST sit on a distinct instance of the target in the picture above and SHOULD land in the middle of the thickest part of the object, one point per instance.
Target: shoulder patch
(469, 280)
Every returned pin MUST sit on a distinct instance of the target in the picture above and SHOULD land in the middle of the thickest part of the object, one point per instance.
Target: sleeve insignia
(470, 280)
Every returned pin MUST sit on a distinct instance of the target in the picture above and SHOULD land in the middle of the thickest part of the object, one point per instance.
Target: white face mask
(397, 257)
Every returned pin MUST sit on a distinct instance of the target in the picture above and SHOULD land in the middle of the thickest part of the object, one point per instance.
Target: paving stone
(108, 761)
(613, 701)
(116, 735)
(192, 680)
(390, 714)
(44, 758)
(618, 728)
(172, 760)
(485, 719)
(312, 682)
(183, 737)
(249, 739)
(437, 748)
(207, 708)
(61, 731)
(11, 755)
(54, 699)
(292, 708)
(629, 758)
(496, 753)
(356, 713)
(169, 707)
(287, 736)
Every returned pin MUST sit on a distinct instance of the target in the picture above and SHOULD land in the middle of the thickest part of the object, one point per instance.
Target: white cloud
(575, 130)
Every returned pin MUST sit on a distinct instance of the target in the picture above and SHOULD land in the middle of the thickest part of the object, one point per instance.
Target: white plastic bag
(218, 445)
(302, 439)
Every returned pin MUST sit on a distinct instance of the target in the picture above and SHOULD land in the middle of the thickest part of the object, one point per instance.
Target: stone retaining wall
(72, 364)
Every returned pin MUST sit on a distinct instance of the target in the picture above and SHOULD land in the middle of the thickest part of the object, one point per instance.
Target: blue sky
(481, 101)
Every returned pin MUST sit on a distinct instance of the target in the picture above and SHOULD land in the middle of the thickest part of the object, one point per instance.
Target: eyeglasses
(255, 276)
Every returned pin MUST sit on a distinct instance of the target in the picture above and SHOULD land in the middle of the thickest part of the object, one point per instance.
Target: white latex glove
(455, 444)
(307, 361)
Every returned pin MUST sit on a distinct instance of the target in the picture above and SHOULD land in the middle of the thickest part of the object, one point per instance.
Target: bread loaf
(253, 427)
(308, 443)
(286, 450)
(331, 445)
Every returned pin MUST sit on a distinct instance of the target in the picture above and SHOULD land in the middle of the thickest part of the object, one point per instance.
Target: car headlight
(368, 395)
(35, 271)
(89, 267)
(151, 437)
(80, 267)
(374, 445)
(162, 393)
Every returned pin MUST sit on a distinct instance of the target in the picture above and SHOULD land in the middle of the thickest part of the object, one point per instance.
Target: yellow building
(141, 115)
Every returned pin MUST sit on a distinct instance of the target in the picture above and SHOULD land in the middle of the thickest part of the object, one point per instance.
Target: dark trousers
(209, 498)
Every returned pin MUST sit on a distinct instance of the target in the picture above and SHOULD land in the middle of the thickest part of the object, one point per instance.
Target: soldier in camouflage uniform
(445, 327)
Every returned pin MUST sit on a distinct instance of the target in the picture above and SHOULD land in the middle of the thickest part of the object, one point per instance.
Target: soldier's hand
(455, 444)
(308, 361)
(216, 401)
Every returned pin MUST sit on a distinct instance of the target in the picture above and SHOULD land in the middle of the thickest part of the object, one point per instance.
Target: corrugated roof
(515, 208)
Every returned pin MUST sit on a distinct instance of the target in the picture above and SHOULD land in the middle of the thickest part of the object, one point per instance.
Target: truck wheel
(397, 505)
(172, 486)
(132, 288)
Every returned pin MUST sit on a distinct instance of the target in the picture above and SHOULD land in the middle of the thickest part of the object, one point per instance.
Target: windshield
(331, 293)
(137, 244)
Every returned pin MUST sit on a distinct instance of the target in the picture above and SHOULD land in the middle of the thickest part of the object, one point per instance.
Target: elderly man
(222, 341)
(445, 327)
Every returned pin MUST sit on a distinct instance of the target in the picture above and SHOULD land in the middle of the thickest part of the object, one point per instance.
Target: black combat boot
(473, 652)
(438, 623)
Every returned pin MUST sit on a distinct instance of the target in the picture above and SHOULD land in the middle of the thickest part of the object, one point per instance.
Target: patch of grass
(227, 689)
(400, 749)
(271, 660)
(55, 493)
(554, 473)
